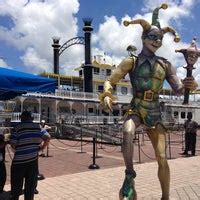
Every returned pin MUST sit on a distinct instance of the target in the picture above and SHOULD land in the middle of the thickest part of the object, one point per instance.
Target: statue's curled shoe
(128, 191)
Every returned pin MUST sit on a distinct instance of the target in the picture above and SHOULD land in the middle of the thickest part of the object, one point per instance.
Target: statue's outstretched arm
(106, 98)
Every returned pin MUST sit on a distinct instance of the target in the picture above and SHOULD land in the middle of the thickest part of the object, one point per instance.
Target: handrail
(77, 95)
(16, 117)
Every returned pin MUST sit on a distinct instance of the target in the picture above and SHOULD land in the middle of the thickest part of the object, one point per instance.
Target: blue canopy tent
(14, 83)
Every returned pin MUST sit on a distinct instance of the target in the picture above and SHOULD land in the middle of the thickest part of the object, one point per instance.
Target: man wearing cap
(27, 140)
(147, 73)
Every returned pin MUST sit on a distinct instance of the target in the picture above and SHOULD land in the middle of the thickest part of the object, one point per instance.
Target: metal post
(47, 151)
(139, 154)
(169, 143)
(96, 154)
(183, 141)
(81, 141)
(94, 165)
(101, 146)
(97, 146)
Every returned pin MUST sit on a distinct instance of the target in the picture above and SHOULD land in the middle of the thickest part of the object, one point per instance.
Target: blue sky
(27, 28)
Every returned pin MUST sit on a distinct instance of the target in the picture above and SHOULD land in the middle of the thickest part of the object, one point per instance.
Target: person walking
(27, 139)
(44, 126)
(191, 127)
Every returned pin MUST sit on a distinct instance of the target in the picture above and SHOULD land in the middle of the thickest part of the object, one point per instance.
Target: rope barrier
(178, 139)
(168, 142)
(78, 141)
(59, 147)
(115, 148)
(146, 154)
(69, 144)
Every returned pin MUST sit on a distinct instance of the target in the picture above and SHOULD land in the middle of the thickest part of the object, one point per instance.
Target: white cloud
(34, 25)
(32, 60)
(71, 59)
(113, 37)
(35, 22)
(3, 63)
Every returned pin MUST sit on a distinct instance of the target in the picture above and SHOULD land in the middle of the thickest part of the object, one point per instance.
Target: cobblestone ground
(67, 175)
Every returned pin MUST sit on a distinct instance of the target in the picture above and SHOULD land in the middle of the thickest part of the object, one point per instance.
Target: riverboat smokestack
(87, 66)
(56, 48)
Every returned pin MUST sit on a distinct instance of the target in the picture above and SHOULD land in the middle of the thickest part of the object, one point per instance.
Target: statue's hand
(108, 104)
(190, 83)
(107, 99)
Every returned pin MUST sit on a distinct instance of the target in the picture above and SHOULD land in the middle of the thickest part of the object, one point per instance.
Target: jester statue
(147, 73)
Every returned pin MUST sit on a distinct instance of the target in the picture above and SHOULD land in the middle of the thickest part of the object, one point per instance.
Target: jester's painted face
(192, 58)
(152, 40)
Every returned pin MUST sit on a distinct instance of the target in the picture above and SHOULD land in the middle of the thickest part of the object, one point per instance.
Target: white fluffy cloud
(35, 22)
(3, 63)
(113, 37)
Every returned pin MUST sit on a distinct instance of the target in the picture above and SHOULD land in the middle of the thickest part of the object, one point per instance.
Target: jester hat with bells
(155, 25)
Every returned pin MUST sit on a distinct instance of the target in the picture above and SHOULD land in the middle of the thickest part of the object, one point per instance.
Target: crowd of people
(27, 139)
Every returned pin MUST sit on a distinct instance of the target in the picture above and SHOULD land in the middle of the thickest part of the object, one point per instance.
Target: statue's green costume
(147, 80)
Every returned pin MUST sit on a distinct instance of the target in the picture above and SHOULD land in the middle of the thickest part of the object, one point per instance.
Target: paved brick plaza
(68, 177)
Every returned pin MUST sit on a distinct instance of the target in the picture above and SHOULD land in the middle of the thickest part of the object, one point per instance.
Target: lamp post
(56, 48)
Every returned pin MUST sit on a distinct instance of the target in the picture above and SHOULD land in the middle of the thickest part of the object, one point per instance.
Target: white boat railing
(74, 95)
(75, 119)
(16, 117)
(77, 95)
(81, 119)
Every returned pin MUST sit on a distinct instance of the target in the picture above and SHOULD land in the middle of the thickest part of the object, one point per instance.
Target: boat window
(190, 113)
(114, 88)
(183, 115)
(103, 73)
(96, 70)
(108, 72)
(80, 72)
(175, 114)
(124, 90)
(64, 109)
(100, 88)
(90, 110)
(115, 112)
